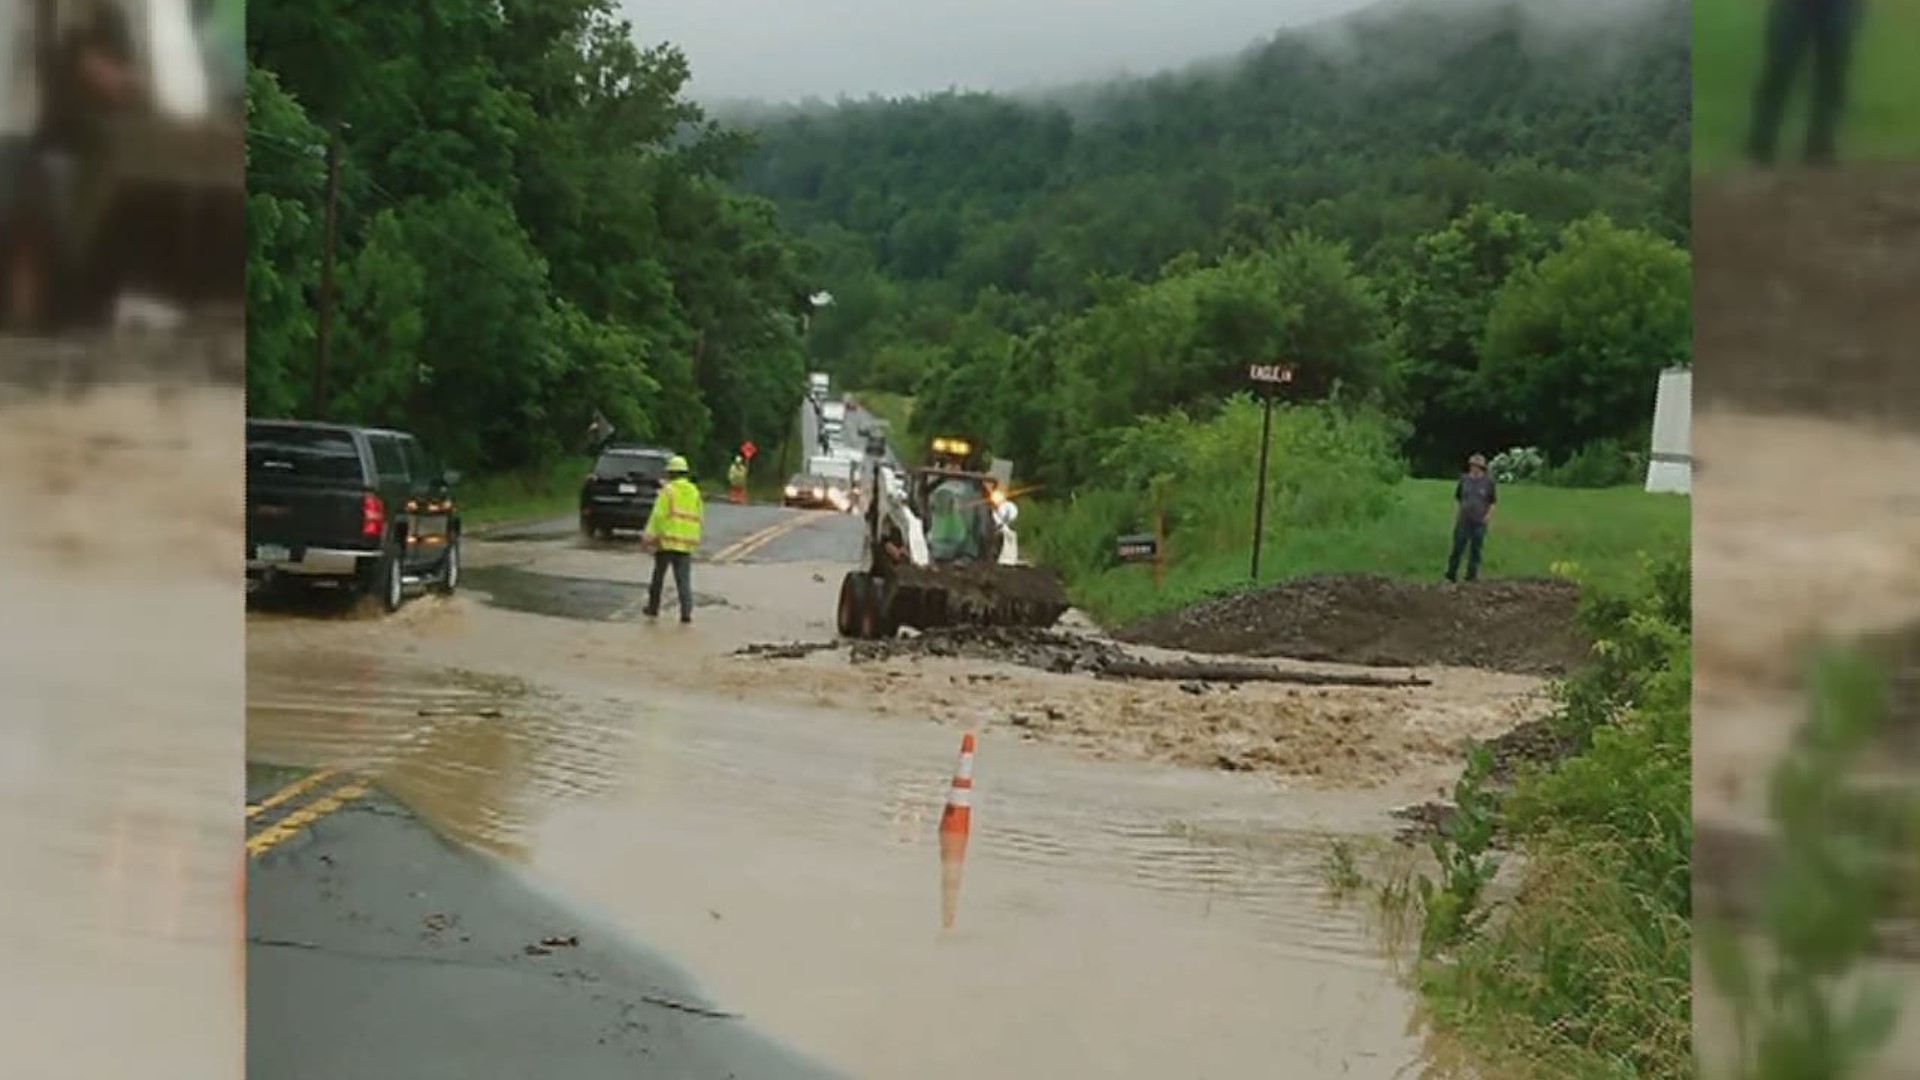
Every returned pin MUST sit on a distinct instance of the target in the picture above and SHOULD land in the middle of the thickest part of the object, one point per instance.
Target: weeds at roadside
(1340, 870)
(1585, 969)
(1817, 915)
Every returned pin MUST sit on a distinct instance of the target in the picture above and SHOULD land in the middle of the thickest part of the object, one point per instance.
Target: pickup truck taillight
(373, 516)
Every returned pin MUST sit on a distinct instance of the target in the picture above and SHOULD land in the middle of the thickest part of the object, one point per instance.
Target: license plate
(273, 553)
(629, 489)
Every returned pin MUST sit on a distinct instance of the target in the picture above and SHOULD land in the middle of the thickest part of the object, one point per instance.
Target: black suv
(349, 507)
(620, 491)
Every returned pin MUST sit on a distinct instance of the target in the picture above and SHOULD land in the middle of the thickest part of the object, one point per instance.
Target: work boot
(651, 613)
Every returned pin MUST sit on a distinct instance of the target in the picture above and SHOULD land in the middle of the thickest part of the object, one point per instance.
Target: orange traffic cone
(955, 823)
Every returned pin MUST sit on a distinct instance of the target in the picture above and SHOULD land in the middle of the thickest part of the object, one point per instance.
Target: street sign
(747, 449)
(1138, 547)
(1273, 375)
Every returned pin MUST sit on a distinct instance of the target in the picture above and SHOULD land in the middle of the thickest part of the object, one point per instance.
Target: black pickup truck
(348, 507)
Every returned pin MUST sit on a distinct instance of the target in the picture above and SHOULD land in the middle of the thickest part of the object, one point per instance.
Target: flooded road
(119, 736)
(772, 826)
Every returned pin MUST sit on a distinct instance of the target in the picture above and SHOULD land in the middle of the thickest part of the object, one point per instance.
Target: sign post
(1271, 376)
(1159, 549)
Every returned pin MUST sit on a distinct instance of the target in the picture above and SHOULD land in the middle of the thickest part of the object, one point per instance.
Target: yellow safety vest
(676, 516)
(737, 475)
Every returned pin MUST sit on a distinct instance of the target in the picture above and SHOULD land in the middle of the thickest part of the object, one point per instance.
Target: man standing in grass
(1474, 497)
(1825, 28)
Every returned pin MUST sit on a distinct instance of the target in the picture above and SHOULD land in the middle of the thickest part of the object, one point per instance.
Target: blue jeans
(1468, 538)
(1796, 28)
(681, 563)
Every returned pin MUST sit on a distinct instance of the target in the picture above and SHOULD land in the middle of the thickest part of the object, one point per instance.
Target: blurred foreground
(121, 730)
(1808, 436)
(122, 144)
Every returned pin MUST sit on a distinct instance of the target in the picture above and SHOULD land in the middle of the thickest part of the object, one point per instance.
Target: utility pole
(326, 274)
(1271, 376)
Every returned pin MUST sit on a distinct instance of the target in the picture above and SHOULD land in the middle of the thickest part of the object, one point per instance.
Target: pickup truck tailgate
(305, 488)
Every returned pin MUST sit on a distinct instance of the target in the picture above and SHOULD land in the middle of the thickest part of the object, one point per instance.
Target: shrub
(1329, 467)
(1518, 465)
(1601, 463)
(1587, 970)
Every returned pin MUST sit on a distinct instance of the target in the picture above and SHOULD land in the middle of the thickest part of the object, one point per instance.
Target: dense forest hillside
(533, 224)
(1393, 202)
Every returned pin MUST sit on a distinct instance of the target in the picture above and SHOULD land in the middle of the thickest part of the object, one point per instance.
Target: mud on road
(1525, 627)
(1805, 299)
(1057, 687)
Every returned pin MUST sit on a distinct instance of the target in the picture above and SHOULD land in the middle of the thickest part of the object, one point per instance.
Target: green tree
(534, 225)
(1575, 344)
(285, 177)
(1441, 306)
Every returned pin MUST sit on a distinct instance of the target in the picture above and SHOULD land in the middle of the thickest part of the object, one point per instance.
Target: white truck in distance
(836, 475)
(833, 421)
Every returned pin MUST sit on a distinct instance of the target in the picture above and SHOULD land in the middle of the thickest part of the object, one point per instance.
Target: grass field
(1882, 121)
(544, 492)
(1603, 532)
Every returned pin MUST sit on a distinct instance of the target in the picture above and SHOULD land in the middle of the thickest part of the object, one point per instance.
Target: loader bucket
(161, 210)
(975, 594)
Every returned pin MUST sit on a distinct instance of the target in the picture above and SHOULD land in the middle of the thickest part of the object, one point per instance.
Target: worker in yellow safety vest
(673, 534)
(737, 480)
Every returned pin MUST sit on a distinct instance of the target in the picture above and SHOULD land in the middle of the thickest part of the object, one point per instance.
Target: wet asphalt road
(759, 533)
(377, 949)
(615, 590)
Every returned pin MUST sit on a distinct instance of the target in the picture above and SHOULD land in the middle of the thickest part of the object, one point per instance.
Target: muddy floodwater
(119, 736)
(772, 824)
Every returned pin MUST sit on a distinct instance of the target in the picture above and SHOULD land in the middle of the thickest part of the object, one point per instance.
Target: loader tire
(879, 625)
(853, 602)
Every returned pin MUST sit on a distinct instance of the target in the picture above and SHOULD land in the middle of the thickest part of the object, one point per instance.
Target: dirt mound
(1804, 299)
(1525, 627)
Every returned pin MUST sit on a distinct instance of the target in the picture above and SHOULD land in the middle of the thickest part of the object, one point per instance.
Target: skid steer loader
(147, 212)
(940, 551)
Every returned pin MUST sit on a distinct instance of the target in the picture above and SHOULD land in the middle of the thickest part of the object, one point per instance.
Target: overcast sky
(784, 50)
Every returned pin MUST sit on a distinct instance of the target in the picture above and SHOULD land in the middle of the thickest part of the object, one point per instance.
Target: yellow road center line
(755, 543)
(256, 809)
(729, 551)
(733, 552)
(277, 833)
